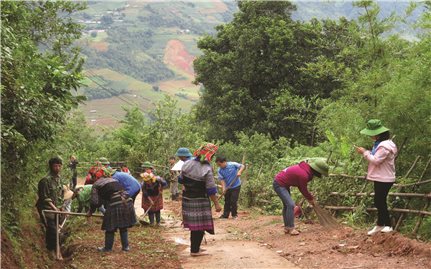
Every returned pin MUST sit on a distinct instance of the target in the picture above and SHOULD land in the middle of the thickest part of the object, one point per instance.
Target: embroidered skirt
(120, 215)
(197, 215)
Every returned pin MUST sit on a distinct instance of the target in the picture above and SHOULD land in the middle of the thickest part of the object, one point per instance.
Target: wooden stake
(375, 209)
(413, 184)
(402, 194)
(70, 213)
(412, 167)
(420, 218)
(57, 237)
(401, 147)
(400, 218)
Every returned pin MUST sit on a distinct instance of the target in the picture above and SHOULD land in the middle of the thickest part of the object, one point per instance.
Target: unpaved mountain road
(258, 241)
(225, 249)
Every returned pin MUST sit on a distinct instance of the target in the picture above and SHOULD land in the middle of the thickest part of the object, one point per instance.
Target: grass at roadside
(148, 249)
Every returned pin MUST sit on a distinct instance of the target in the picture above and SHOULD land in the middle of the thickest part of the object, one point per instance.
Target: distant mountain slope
(140, 50)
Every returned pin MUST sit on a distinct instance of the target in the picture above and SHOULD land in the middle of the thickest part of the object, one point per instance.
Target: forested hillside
(273, 90)
(142, 50)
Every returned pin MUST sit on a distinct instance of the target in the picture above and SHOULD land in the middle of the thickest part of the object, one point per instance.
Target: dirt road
(258, 241)
(225, 249)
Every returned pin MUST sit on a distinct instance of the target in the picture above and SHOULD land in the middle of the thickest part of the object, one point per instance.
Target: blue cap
(183, 152)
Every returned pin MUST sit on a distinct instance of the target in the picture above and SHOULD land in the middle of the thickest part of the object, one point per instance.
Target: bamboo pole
(412, 167)
(398, 185)
(401, 217)
(375, 209)
(402, 194)
(70, 213)
(420, 218)
(413, 184)
(57, 238)
(346, 176)
(426, 168)
(401, 147)
(362, 190)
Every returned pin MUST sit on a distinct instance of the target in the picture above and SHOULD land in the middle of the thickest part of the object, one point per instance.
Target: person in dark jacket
(50, 197)
(120, 211)
(72, 165)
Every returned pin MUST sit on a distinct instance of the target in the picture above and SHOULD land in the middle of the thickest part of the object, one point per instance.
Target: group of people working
(115, 191)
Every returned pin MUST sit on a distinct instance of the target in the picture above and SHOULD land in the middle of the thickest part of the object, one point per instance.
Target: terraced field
(172, 30)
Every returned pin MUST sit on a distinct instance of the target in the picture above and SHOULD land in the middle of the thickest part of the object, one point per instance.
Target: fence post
(400, 218)
(420, 218)
(57, 236)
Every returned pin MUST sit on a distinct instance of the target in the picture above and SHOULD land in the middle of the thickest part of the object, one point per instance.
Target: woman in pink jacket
(381, 170)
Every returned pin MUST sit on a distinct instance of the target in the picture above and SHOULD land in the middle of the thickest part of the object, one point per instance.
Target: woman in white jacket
(381, 170)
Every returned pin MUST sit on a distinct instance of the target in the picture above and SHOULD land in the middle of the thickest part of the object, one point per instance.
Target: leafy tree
(390, 81)
(265, 72)
(40, 69)
(153, 137)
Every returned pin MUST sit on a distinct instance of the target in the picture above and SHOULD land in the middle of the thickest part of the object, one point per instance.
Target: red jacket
(297, 175)
(93, 175)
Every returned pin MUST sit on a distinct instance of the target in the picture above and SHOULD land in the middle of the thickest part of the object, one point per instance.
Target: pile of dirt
(319, 247)
(396, 244)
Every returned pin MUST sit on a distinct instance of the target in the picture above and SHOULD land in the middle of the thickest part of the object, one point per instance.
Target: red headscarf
(205, 152)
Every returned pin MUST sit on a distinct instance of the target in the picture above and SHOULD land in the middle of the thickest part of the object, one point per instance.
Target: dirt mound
(396, 244)
(319, 247)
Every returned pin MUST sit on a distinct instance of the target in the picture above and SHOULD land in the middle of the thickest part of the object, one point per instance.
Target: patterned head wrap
(104, 172)
(205, 152)
(148, 177)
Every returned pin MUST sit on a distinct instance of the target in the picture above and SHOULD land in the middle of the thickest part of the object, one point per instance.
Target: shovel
(143, 222)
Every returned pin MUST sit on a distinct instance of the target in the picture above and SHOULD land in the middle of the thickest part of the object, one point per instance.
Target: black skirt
(120, 215)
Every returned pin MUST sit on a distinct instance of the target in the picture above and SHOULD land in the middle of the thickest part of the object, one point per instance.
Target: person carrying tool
(152, 193)
(50, 196)
(229, 174)
(120, 211)
(381, 170)
(73, 162)
(197, 178)
(298, 176)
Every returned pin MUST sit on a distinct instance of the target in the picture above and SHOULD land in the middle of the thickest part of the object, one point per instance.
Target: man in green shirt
(50, 192)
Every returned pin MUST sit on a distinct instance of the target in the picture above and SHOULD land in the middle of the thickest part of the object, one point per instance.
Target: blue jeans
(288, 204)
